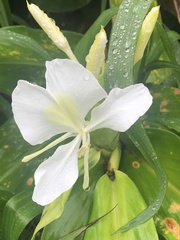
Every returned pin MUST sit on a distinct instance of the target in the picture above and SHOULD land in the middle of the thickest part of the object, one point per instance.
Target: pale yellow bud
(145, 33)
(53, 32)
(96, 56)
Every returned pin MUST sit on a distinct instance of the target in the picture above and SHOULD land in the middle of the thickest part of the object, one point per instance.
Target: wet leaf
(23, 52)
(18, 212)
(166, 107)
(118, 194)
(166, 145)
(77, 210)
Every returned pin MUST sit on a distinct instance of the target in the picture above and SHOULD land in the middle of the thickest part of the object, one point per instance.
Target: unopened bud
(145, 33)
(96, 56)
(53, 32)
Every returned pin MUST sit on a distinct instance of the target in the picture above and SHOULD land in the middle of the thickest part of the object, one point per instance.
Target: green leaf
(77, 209)
(119, 73)
(18, 212)
(170, 50)
(121, 195)
(13, 148)
(52, 211)
(23, 52)
(77, 232)
(5, 13)
(60, 6)
(82, 49)
(165, 109)
(23, 42)
(140, 139)
(166, 145)
(5, 195)
(119, 67)
(5, 109)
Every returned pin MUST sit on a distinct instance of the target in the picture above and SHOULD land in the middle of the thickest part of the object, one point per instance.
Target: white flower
(71, 92)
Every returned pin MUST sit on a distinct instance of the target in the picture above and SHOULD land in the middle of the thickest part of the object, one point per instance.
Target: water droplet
(122, 27)
(127, 44)
(86, 77)
(116, 92)
(114, 51)
(111, 66)
(136, 143)
(135, 9)
(126, 75)
(115, 42)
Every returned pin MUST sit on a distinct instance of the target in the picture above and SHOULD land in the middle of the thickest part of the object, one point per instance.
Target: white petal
(121, 109)
(29, 104)
(57, 174)
(66, 77)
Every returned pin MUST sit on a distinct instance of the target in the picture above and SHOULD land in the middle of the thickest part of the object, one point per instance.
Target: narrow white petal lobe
(57, 174)
(121, 109)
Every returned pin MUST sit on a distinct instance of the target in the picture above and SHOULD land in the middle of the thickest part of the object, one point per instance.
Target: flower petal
(66, 77)
(29, 104)
(121, 109)
(57, 174)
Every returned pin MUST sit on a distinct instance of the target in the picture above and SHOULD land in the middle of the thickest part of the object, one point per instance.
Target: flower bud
(96, 56)
(53, 31)
(145, 33)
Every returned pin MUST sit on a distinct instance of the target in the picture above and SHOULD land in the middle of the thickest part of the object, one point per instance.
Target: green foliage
(150, 149)
(61, 5)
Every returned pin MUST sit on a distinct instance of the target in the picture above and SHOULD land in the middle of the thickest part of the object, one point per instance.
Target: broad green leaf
(5, 195)
(157, 57)
(166, 145)
(122, 195)
(77, 232)
(77, 210)
(18, 212)
(13, 148)
(140, 139)
(61, 5)
(119, 73)
(119, 67)
(170, 50)
(16, 177)
(166, 107)
(5, 13)
(27, 44)
(87, 40)
(160, 64)
(23, 52)
(52, 211)
(5, 109)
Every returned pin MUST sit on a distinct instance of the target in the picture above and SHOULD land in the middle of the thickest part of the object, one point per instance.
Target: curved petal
(57, 174)
(121, 109)
(66, 77)
(29, 104)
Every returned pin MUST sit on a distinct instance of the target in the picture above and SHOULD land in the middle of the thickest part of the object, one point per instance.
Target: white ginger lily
(71, 92)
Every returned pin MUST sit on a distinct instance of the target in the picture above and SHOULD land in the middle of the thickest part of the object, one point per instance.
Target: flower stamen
(86, 163)
(49, 146)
